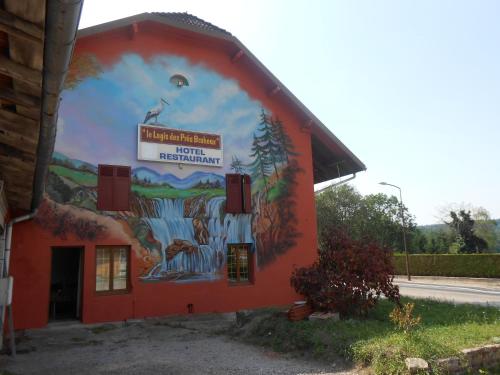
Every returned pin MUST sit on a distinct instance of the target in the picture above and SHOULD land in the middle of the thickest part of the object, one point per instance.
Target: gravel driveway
(180, 345)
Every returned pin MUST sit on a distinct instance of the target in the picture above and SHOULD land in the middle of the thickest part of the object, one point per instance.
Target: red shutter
(121, 189)
(247, 194)
(105, 188)
(234, 197)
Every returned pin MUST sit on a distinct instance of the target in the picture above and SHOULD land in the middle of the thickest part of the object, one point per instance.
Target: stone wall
(484, 357)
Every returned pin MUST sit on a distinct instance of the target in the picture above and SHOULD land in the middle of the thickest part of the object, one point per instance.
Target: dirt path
(162, 346)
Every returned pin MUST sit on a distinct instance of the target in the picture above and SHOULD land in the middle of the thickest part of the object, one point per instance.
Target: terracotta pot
(299, 312)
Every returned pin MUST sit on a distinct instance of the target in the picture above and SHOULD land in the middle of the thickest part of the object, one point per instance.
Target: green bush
(465, 265)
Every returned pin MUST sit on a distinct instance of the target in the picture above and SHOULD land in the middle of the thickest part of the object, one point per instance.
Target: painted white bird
(155, 112)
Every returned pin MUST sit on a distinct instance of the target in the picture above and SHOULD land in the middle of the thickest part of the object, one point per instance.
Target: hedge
(465, 265)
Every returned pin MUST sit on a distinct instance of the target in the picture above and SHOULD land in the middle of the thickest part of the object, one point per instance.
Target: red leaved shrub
(349, 277)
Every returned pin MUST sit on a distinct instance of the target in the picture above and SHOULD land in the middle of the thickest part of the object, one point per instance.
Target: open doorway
(66, 283)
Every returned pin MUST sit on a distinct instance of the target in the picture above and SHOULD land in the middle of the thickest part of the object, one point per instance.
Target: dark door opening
(66, 283)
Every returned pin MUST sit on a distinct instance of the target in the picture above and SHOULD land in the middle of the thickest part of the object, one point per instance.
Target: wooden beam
(23, 128)
(306, 126)
(238, 55)
(23, 143)
(16, 117)
(274, 90)
(21, 72)
(16, 193)
(19, 200)
(22, 180)
(19, 98)
(20, 28)
(134, 29)
(28, 166)
(10, 151)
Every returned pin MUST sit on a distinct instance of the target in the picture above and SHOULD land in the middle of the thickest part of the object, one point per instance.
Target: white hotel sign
(156, 143)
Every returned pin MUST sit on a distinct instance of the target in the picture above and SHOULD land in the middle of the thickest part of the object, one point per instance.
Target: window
(238, 194)
(240, 263)
(113, 188)
(112, 269)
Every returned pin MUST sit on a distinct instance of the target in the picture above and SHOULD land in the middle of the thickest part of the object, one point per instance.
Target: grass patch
(79, 177)
(444, 331)
(172, 193)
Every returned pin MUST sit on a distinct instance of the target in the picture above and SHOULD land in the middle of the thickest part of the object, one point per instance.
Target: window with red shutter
(238, 194)
(234, 198)
(247, 194)
(113, 188)
(105, 187)
(121, 189)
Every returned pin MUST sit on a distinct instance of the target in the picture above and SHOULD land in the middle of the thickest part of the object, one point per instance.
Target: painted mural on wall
(177, 225)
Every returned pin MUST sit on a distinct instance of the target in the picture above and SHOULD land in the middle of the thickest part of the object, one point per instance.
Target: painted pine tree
(282, 140)
(261, 165)
(267, 140)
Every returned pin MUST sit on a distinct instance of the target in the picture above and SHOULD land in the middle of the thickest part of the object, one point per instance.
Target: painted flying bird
(155, 112)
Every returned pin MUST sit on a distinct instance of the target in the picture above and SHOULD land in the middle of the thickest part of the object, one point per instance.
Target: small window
(238, 194)
(113, 188)
(240, 264)
(112, 269)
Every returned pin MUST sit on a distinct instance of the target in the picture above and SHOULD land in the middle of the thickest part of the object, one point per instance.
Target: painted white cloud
(60, 125)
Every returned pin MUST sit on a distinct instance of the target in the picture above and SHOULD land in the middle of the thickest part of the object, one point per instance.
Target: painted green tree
(268, 142)
(273, 171)
(282, 140)
(261, 165)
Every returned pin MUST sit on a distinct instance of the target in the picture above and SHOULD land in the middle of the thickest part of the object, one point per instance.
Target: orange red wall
(32, 243)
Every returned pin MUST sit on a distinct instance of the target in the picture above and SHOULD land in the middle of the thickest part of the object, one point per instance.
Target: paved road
(466, 292)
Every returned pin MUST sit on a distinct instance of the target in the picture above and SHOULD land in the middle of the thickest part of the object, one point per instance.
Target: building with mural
(182, 180)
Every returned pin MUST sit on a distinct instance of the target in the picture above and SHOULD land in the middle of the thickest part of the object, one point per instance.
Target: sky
(411, 87)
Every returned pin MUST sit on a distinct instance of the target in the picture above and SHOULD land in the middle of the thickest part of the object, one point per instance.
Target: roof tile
(193, 22)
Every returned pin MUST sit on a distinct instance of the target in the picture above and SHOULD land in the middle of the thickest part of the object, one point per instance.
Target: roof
(331, 158)
(192, 22)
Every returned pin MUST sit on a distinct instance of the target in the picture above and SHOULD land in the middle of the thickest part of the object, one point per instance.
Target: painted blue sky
(411, 87)
(98, 119)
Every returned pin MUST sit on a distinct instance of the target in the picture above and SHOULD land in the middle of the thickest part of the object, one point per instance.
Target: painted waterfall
(176, 225)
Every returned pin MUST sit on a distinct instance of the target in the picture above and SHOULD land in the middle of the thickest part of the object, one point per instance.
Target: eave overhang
(34, 56)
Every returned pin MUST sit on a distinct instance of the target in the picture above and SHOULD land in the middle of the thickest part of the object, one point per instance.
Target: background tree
(467, 240)
(486, 228)
(375, 217)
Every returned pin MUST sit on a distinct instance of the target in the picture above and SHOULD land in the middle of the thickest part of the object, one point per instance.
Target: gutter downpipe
(336, 184)
(61, 26)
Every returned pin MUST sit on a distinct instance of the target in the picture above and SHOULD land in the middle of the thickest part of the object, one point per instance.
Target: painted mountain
(59, 158)
(189, 182)
(143, 175)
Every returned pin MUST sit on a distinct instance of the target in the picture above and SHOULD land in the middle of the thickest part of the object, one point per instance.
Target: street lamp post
(404, 227)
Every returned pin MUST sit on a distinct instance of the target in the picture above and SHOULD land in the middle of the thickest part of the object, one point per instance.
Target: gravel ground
(179, 345)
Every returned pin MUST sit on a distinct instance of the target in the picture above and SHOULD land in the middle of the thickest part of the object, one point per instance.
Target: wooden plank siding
(22, 25)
